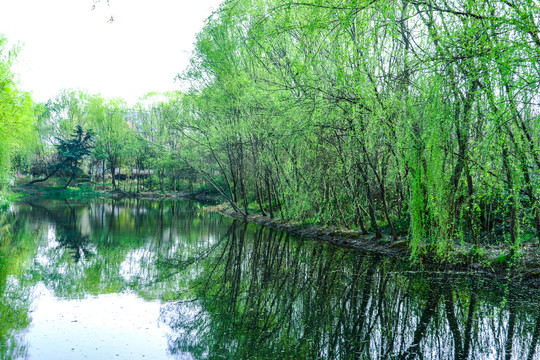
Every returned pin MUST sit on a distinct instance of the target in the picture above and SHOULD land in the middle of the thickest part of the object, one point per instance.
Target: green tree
(71, 153)
(17, 132)
(406, 118)
(112, 132)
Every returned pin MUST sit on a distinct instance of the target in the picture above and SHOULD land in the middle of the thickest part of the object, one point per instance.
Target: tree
(71, 152)
(112, 131)
(17, 132)
(415, 118)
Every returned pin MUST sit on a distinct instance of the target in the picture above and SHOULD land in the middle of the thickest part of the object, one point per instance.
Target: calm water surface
(137, 279)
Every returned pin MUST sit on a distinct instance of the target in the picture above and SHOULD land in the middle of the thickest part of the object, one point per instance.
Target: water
(136, 279)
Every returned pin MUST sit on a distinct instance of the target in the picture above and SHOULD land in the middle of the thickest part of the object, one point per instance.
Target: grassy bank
(54, 188)
(58, 192)
(7, 198)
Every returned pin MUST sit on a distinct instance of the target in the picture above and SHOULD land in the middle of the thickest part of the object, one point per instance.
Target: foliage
(16, 120)
(371, 115)
(70, 154)
(131, 146)
(73, 150)
(405, 118)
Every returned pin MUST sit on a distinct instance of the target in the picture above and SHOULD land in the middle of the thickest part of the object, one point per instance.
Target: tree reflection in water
(237, 291)
(15, 248)
(264, 295)
(69, 235)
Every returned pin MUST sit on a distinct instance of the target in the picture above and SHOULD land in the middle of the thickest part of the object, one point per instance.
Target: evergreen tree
(71, 152)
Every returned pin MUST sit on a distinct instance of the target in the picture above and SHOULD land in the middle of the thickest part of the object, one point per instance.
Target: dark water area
(135, 279)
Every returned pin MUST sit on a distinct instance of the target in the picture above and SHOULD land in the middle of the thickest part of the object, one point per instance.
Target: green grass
(71, 192)
(4, 201)
(7, 198)
(55, 190)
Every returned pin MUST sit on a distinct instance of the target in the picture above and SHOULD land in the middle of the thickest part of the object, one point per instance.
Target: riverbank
(85, 192)
(487, 259)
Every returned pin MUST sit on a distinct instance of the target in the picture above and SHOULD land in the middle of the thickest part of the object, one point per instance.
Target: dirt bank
(491, 261)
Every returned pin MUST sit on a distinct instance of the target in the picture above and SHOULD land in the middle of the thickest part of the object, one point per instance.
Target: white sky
(65, 44)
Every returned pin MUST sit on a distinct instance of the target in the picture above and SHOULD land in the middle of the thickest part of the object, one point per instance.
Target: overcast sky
(65, 44)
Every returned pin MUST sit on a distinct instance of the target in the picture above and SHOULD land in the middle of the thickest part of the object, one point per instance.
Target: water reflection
(15, 249)
(110, 246)
(97, 261)
(265, 295)
(219, 288)
(68, 233)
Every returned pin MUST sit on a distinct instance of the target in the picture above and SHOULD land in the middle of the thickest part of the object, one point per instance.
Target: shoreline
(526, 268)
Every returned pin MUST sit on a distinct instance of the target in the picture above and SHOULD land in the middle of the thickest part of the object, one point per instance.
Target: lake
(139, 279)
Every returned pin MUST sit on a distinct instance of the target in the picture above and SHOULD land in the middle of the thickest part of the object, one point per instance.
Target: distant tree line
(128, 143)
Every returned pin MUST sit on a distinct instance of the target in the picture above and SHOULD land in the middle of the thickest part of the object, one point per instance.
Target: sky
(65, 44)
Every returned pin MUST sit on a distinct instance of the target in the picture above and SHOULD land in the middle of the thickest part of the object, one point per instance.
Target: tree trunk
(269, 191)
(259, 199)
(69, 182)
(48, 176)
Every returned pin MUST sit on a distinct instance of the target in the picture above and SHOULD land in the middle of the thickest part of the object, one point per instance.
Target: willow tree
(155, 120)
(112, 132)
(407, 118)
